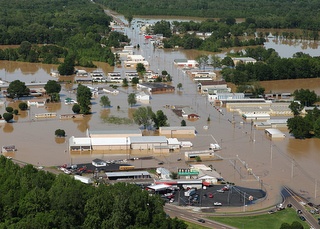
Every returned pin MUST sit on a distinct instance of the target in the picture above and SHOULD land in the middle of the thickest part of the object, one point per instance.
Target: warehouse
(174, 131)
(274, 133)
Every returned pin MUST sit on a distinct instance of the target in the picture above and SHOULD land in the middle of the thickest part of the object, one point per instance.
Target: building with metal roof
(128, 175)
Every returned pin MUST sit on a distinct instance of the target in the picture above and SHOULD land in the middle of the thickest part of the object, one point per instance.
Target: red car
(210, 195)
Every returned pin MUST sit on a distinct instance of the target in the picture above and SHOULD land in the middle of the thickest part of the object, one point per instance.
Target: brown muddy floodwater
(273, 163)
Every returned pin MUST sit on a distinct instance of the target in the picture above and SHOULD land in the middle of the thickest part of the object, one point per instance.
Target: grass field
(266, 221)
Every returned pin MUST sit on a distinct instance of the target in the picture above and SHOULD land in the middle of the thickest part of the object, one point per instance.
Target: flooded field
(273, 163)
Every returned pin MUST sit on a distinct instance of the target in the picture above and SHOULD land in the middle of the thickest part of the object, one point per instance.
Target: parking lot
(217, 196)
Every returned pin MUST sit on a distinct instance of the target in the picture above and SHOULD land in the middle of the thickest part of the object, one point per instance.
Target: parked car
(171, 200)
(220, 190)
(201, 220)
(289, 205)
(302, 218)
(271, 212)
(210, 195)
(217, 204)
(299, 211)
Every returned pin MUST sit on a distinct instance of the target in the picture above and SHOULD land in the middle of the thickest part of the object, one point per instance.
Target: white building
(133, 60)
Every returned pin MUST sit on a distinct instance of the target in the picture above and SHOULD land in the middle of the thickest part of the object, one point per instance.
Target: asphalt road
(192, 217)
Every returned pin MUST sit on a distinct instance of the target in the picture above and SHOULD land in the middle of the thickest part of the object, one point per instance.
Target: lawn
(266, 221)
(195, 226)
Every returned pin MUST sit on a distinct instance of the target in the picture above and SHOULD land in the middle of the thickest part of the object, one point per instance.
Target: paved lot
(234, 197)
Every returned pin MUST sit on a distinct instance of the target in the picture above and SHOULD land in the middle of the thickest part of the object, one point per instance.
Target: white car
(171, 200)
(217, 204)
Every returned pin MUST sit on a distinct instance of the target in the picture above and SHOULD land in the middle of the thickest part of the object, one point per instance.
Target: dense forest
(62, 27)
(267, 13)
(32, 198)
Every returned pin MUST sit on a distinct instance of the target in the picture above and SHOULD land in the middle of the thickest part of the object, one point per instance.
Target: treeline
(79, 27)
(266, 13)
(223, 34)
(270, 66)
(38, 199)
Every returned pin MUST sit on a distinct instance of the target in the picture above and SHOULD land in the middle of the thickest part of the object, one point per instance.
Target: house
(213, 86)
(202, 74)
(133, 60)
(188, 113)
(131, 75)
(36, 102)
(186, 63)
(243, 60)
(163, 173)
(98, 76)
(156, 87)
(82, 73)
(150, 76)
(115, 77)
(274, 133)
(142, 96)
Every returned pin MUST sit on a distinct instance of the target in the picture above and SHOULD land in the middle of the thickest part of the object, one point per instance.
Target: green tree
(198, 159)
(227, 61)
(183, 123)
(160, 119)
(15, 112)
(83, 98)
(143, 116)
(9, 109)
(305, 96)
(296, 225)
(179, 86)
(215, 61)
(135, 80)
(202, 60)
(285, 226)
(132, 99)
(52, 87)
(296, 108)
(60, 133)
(7, 116)
(298, 127)
(125, 82)
(105, 101)
(67, 67)
(76, 108)
(17, 89)
(140, 69)
(23, 106)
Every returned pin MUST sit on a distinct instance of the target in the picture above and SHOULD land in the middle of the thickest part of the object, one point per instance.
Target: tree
(76, 108)
(198, 159)
(143, 116)
(15, 112)
(9, 109)
(227, 61)
(296, 108)
(160, 119)
(125, 82)
(202, 60)
(67, 67)
(135, 80)
(7, 116)
(183, 123)
(52, 87)
(105, 101)
(296, 225)
(285, 226)
(83, 98)
(132, 99)
(215, 61)
(17, 89)
(298, 127)
(140, 69)
(305, 96)
(179, 86)
(23, 106)
(60, 133)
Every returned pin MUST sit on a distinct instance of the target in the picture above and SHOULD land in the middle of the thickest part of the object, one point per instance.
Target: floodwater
(273, 163)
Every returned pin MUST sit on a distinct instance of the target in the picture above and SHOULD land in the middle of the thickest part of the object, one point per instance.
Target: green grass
(195, 226)
(266, 221)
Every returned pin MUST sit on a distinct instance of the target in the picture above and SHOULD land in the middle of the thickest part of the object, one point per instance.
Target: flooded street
(274, 163)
